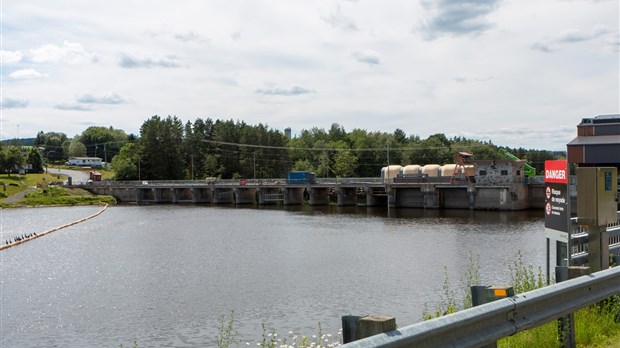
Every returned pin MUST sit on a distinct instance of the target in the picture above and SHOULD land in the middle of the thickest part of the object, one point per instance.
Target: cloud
(11, 57)
(576, 35)
(9, 103)
(110, 99)
(26, 74)
(570, 36)
(294, 90)
(613, 43)
(70, 52)
(135, 63)
(450, 17)
(189, 36)
(73, 107)
(339, 21)
(543, 46)
(367, 56)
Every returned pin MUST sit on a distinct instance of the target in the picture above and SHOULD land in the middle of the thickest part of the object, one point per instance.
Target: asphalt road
(77, 177)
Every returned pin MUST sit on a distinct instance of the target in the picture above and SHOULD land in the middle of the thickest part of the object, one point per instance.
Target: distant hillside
(23, 141)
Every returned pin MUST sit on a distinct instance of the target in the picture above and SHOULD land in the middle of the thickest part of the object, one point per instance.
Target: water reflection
(164, 274)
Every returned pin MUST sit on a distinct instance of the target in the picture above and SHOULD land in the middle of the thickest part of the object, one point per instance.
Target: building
(597, 143)
(85, 161)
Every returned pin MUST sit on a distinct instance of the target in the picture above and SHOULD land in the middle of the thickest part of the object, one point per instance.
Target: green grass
(15, 184)
(54, 195)
(46, 193)
(62, 196)
(595, 326)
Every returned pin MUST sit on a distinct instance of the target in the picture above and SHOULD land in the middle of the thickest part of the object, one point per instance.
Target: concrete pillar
(156, 195)
(294, 195)
(431, 196)
(346, 196)
(319, 196)
(139, 195)
(391, 200)
(245, 195)
(471, 191)
(176, 192)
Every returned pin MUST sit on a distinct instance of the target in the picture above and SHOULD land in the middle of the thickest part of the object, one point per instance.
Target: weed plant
(227, 337)
(595, 326)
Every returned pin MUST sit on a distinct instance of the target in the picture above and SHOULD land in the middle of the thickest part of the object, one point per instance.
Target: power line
(337, 149)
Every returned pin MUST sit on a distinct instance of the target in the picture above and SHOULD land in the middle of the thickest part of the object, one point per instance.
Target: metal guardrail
(489, 322)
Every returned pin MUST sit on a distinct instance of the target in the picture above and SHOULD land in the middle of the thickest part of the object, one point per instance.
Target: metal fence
(579, 241)
(489, 322)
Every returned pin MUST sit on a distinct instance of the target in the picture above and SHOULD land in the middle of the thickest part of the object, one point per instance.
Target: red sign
(556, 171)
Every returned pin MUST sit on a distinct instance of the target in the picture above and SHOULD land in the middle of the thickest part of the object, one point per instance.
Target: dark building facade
(597, 143)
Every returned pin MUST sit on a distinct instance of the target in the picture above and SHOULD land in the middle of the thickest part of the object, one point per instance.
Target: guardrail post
(375, 324)
(566, 325)
(485, 294)
(349, 328)
(355, 327)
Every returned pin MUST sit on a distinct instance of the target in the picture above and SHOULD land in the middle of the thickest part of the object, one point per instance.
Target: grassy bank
(46, 193)
(14, 184)
(64, 196)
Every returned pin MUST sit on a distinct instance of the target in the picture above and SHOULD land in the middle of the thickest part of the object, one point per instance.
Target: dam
(490, 185)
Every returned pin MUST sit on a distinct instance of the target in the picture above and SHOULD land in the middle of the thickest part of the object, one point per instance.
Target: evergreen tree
(35, 160)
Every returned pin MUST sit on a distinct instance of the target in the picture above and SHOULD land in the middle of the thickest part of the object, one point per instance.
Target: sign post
(558, 228)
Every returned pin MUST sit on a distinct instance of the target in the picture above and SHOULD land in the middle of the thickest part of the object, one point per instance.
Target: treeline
(169, 149)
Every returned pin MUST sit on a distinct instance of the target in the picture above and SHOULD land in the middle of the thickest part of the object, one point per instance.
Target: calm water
(163, 275)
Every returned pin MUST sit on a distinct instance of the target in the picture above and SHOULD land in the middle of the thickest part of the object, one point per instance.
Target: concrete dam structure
(497, 185)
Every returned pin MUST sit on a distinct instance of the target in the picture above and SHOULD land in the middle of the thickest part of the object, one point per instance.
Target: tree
(55, 145)
(103, 142)
(35, 160)
(344, 164)
(11, 160)
(303, 166)
(127, 163)
(161, 153)
(76, 148)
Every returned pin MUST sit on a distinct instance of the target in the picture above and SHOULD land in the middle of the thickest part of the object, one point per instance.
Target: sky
(517, 73)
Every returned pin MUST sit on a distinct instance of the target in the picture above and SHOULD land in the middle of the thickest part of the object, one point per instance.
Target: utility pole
(255, 164)
(192, 157)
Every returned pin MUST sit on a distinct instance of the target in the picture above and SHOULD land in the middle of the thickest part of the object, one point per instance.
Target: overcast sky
(521, 73)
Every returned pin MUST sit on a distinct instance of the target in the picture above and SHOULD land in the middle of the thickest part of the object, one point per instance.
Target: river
(163, 275)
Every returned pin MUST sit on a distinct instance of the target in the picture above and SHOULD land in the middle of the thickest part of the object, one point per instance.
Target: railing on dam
(235, 182)
(579, 241)
(489, 322)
